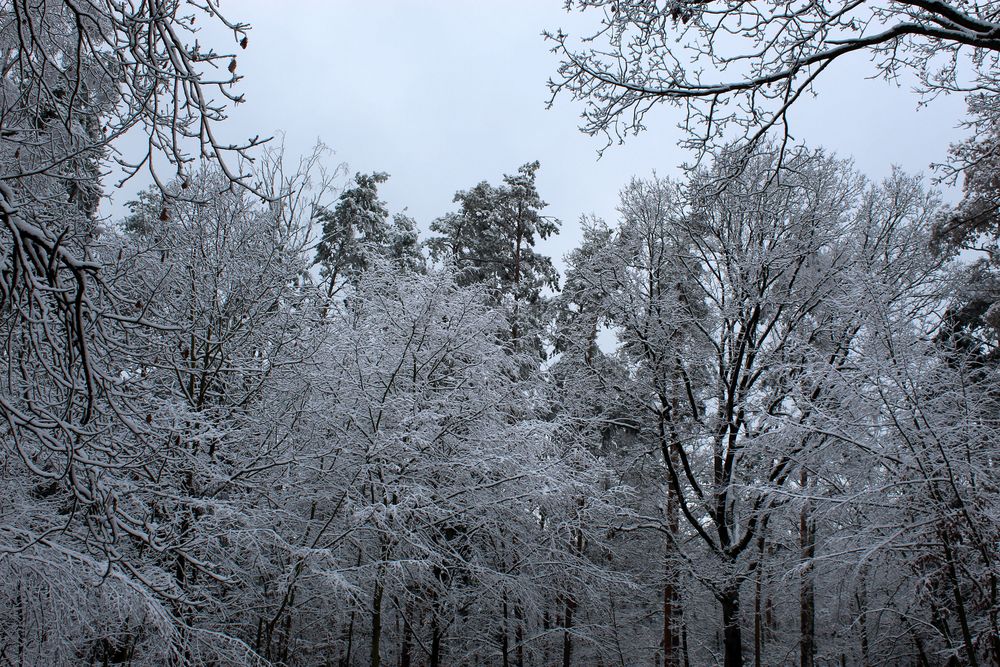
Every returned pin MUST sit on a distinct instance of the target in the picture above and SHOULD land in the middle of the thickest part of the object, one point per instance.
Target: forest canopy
(266, 417)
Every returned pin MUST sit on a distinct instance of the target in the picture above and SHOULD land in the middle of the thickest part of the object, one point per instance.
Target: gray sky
(442, 94)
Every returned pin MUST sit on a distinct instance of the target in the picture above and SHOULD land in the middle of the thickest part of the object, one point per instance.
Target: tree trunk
(435, 642)
(515, 330)
(286, 636)
(807, 596)
(567, 646)
(862, 599)
(758, 617)
(671, 608)
(684, 646)
(518, 635)
(376, 655)
(505, 637)
(963, 622)
(732, 637)
(671, 596)
(406, 648)
(577, 547)
(345, 661)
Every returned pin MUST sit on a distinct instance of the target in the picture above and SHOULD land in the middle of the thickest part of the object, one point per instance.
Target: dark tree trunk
(505, 636)
(376, 654)
(732, 637)
(758, 616)
(435, 642)
(406, 647)
(670, 593)
(567, 645)
(518, 635)
(963, 621)
(807, 596)
(345, 661)
(684, 646)
(862, 600)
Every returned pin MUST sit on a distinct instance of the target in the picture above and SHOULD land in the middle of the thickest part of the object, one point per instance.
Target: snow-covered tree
(418, 519)
(491, 240)
(731, 299)
(356, 223)
(736, 69)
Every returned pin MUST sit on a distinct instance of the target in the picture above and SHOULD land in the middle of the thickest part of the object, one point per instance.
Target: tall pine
(491, 239)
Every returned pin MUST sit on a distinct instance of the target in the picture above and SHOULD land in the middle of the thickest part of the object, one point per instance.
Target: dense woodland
(263, 420)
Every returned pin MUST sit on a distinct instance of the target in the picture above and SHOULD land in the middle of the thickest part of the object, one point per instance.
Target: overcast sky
(442, 94)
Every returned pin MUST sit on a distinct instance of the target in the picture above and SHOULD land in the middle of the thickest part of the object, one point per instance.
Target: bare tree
(75, 77)
(736, 68)
(127, 496)
(732, 303)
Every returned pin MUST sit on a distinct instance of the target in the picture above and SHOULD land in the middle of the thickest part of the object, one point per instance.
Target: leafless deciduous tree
(736, 67)
(74, 78)
(77, 75)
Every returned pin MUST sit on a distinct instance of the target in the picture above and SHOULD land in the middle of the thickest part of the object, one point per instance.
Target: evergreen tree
(402, 248)
(972, 227)
(358, 220)
(491, 240)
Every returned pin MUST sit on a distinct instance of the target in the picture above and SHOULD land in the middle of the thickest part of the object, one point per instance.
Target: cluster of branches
(737, 68)
(257, 423)
(699, 299)
(75, 78)
(784, 367)
(247, 424)
(384, 472)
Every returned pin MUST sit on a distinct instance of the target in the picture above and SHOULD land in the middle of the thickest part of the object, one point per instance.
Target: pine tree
(357, 221)
(491, 240)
